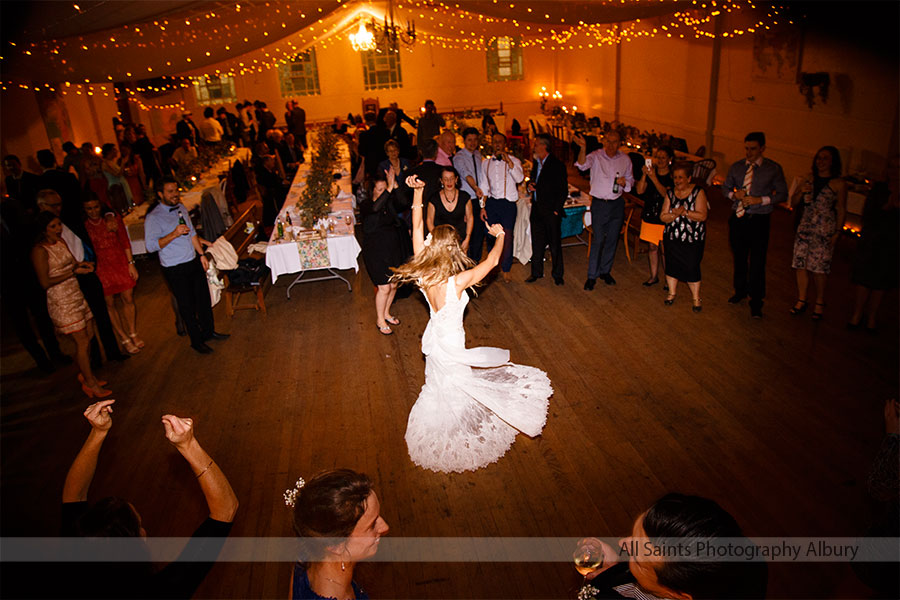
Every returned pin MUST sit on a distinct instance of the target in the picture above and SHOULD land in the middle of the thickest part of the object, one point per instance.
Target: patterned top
(820, 215)
(683, 229)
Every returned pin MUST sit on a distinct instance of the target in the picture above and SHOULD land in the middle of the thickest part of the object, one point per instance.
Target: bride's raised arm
(418, 220)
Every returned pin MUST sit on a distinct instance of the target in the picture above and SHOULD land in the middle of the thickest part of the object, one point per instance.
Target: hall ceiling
(114, 40)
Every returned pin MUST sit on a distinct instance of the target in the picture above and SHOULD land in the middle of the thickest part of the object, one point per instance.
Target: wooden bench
(240, 237)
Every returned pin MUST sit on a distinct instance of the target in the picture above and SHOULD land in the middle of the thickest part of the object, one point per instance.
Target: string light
(452, 28)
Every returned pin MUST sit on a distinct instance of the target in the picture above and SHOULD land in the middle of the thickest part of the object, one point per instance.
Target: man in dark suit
(428, 170)
(549, 188)
(401, 116)
(64, 184)
(185, 128)
(394, 131)
(295, 117)
(21, 185)
(371, 145)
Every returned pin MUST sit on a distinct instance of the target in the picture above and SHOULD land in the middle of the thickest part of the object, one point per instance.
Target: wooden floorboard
(777, 419)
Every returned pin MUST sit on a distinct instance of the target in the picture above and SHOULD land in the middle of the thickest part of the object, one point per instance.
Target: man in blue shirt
(754, 186)
(169, 231)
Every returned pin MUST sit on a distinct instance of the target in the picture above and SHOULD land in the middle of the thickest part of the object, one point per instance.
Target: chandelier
(386, 37)
(362, 40)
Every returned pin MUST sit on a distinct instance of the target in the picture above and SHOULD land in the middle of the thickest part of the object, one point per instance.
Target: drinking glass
(588, 557)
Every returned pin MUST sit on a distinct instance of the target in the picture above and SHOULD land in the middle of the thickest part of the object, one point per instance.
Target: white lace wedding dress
(474, 400)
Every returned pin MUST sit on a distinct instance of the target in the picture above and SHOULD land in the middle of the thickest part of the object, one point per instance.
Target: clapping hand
(98, 415)
(414, 182)
(495, 230)
(178, 431)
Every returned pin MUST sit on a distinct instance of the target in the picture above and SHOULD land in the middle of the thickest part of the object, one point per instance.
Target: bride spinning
(465, 418)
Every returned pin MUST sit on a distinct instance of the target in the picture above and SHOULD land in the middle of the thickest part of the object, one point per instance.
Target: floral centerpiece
(315, 201)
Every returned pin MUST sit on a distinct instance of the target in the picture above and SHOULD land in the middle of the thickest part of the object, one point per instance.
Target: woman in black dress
(383, 244)
(451, 206)
(652, 189)
(684, 213)
(875, 267)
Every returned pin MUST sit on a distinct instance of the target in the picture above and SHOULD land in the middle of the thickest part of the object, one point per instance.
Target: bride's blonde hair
(437, 261)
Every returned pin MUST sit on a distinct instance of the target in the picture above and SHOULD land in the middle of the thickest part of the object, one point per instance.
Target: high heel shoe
(129, 346)
(697, 305)
(670, 300)
(817, 315)
(799, 308)
(99, 381)
(136, 340)
(95, 393)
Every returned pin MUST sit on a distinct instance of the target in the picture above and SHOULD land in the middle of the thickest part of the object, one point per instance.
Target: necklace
(445, 196)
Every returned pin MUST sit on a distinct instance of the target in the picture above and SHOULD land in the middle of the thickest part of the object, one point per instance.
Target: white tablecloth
(285, 256)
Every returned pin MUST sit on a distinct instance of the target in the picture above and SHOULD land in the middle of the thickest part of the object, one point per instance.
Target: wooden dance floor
(777, 419)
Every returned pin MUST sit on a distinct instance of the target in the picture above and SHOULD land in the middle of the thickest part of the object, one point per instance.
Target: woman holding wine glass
(823, 199)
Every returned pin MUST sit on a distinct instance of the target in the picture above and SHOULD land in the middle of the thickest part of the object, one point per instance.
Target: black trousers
(188, 282)
(546, 230)
(476, 238)
(92, 290)
(749, 239)
(31, 297)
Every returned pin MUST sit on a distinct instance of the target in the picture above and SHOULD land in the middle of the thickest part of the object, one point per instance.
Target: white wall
(24, 132)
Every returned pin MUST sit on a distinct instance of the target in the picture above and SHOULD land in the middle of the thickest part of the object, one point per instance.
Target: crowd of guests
(67, 260)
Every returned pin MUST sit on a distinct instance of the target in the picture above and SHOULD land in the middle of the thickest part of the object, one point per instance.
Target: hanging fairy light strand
(448, 27)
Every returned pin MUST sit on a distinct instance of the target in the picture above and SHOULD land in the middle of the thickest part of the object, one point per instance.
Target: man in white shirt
(611, 176)
(183, 154)
(210, 129)
(502, 174)
(467, 163)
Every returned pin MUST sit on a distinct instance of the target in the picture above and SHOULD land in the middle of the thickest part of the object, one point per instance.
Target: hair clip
(427, 241)
(290, 496)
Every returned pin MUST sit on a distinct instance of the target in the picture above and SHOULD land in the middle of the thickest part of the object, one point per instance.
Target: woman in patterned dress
(116, 270)
(824, 198)
(56, 269)
(684, 213)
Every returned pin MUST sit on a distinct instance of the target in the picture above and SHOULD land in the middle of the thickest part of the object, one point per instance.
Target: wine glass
(588, 557)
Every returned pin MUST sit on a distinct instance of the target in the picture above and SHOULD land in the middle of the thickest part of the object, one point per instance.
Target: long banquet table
(304, 251)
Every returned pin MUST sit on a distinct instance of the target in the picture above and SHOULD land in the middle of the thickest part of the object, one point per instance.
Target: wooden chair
(241, 239)
(370, 105)
(632, 204)
(227, 185)
(702, 169)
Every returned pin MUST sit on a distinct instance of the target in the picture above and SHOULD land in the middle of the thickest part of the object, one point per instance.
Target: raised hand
(496, 229)
(579, 139)
(414, 182)
(178, 431)
(98, 415)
